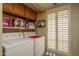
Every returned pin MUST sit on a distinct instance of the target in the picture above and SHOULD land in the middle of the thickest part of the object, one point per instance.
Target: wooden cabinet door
(34, 15)
(8, 7)
(27, 12)
(19, 9)
(30, 14)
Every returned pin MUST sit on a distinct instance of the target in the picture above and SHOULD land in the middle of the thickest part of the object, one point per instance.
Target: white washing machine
(16, 45)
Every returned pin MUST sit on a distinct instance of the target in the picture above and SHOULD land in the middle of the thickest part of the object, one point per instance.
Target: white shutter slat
(52, 31)
(63, 31)
(58, 36)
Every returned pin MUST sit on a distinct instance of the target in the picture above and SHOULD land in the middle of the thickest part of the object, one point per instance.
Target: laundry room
(40, 29)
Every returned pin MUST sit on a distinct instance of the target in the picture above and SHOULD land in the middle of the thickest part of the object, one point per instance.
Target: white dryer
(39, 43)
(40, 46)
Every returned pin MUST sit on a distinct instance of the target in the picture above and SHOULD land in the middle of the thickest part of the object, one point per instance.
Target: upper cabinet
(29, 13)
(34, 15)
(8, 7)
(19, 9)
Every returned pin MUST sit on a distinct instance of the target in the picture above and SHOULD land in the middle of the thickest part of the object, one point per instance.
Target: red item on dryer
(35, 36)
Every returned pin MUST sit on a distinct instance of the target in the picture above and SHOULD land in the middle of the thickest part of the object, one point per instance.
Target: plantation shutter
(52, 31)
(58, 31)
(63, 31)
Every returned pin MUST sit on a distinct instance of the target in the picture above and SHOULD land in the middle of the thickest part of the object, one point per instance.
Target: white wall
(0, 29)
(41, 31)
(74, 27)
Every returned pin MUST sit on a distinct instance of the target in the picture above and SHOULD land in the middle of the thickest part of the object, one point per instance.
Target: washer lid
(15, 42)
(12, 36)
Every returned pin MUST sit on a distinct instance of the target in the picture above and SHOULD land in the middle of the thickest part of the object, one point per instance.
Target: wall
(57, 9)
(41, 31)
(75, 29)
(74, 26)
(0, 29)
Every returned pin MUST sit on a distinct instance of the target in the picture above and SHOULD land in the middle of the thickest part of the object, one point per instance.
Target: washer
(16, 45)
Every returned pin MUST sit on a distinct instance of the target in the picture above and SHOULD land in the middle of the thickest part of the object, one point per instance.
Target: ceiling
(41, 7)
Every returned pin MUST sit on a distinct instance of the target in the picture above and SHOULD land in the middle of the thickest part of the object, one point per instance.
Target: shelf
(11, 27)
(14, 28)
(11, 30)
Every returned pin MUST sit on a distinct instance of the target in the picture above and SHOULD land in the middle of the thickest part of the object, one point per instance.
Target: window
(58, 31)
(63, 37)
(52, 31)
